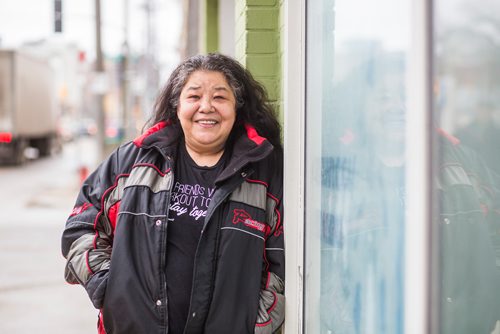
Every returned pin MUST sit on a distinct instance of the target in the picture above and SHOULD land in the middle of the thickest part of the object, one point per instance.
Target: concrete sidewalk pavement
(35, 201)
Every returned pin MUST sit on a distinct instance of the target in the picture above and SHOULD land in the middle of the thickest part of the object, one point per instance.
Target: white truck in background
(28, 108)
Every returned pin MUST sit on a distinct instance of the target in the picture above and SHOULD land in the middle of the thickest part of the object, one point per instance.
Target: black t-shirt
(191, 195)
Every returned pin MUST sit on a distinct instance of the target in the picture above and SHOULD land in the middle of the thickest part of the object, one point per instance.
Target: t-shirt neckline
(185, 154)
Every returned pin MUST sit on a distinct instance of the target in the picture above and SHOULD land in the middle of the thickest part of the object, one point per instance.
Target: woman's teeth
(207, 122)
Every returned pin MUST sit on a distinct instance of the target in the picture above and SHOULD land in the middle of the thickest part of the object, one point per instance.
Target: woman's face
(206, 111)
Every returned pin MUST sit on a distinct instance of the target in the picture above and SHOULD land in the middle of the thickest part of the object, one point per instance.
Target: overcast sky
(30, 20)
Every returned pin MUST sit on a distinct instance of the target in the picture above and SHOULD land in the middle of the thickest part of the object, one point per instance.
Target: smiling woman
(181, 230)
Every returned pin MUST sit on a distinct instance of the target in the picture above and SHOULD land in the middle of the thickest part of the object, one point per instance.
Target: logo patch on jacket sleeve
(79, 209)
(241, 216)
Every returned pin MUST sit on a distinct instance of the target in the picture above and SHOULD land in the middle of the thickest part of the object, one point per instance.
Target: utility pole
(150, 63)
(58, 26)
(99, 68)
(127, 128)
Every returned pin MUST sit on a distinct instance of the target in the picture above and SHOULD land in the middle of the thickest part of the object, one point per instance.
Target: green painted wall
(210, 26)
(258, 44)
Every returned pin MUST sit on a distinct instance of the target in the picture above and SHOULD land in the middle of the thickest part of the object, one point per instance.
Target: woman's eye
(219, 97)
(193, 97)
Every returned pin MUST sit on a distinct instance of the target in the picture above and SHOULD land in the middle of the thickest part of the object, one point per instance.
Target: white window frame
(419, 133)
(294, 171)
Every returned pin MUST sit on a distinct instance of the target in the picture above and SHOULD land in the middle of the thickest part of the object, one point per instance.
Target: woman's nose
(205, 105)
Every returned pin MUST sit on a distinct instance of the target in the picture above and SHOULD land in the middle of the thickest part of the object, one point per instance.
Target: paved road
(35, 200)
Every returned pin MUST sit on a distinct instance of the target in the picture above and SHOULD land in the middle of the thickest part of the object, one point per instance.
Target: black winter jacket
(115, 239)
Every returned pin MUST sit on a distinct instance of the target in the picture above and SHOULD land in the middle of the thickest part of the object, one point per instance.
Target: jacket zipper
(163, 255)
(224, 199)
(190, 313)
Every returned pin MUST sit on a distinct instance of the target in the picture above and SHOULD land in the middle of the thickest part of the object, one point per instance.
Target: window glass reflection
(467, 114)
(355, 166)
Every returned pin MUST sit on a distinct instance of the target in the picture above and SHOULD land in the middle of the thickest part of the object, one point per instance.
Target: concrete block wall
(258, 43)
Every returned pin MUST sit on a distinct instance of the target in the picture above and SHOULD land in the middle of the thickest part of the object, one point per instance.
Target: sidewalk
(35, 201)
(34, 298)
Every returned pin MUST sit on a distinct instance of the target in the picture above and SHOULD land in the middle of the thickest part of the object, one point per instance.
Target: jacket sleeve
(271, 313)
(88, 235)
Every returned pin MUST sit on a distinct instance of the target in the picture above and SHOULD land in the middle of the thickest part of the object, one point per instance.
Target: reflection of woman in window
(365, 284)
(468, 196)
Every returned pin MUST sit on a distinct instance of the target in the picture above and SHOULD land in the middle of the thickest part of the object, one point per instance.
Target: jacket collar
(249, 147)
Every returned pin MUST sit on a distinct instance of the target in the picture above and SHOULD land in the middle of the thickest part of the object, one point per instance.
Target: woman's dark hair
(252, 106)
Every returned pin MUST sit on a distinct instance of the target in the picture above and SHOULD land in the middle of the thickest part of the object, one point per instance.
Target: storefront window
(467, 121)
(355, 165)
